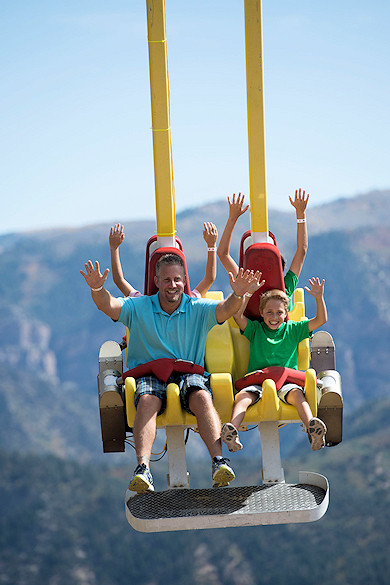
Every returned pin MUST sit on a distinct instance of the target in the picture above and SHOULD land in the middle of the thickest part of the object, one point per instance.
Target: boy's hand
(116, 236)
(317, 287)
(235, 206)
(210, 234)
(93, 276)
(300, 202)
(245, 282)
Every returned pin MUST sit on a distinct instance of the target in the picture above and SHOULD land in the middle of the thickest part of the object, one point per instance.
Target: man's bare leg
(209, 426)
(144, 430)
(144, 433)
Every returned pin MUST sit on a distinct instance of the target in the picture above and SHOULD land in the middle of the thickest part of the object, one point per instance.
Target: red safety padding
(163, 368)
(278, 374)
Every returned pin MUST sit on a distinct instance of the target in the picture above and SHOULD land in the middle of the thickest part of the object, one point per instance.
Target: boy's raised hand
(116, 236)
(236, 206)
(317, 287)
(299, 202)
(210, 234)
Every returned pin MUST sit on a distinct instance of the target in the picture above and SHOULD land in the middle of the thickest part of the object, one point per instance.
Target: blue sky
(76, 144)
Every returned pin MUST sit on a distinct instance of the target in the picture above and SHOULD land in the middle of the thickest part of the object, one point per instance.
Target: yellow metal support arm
(161, 125)
(256, 125)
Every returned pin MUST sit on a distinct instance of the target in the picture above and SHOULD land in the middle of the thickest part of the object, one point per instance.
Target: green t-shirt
(290, 284)
(278, 347)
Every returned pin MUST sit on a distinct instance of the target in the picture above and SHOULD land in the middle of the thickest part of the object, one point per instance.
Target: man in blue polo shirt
(170, 324)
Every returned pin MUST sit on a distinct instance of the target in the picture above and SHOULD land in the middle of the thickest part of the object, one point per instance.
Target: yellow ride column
(256, 125)
(162, 145)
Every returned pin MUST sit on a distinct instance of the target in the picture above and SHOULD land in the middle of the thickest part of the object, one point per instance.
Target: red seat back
(151, 260)
(265, 257)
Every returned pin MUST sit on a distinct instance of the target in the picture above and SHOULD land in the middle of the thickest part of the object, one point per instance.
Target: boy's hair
(169, 260)
(276, 294)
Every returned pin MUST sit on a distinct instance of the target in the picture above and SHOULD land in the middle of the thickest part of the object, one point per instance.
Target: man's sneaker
(316, 432)
(142, 480)
(222, 472)
(229, 435)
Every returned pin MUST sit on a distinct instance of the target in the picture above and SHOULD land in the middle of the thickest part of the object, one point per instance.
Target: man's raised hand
(246, 281)
(93, 276)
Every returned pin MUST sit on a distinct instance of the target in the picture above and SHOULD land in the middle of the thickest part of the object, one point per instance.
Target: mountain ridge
(50, 331)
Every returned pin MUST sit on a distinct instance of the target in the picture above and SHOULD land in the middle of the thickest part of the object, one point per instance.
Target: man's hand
(246, 281)
(116, 236)
(210, 234)
(317, 287)
(255, 285)
(300, 202)
(93, 276)
(236, 206)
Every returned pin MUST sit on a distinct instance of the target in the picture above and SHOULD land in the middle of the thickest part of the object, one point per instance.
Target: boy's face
(274, 313)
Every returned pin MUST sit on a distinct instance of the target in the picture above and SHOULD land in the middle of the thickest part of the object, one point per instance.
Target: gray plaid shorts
(186, 383)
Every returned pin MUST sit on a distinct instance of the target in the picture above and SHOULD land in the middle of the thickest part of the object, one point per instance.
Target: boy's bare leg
(241, 404)
(297, 399)
(229, 432)
(316, 428)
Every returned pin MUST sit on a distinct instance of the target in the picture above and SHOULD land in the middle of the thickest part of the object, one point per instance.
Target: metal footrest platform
(190, 509)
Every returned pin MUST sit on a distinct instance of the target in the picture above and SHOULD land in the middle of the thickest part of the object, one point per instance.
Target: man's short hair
(276, 294)
(170, 260)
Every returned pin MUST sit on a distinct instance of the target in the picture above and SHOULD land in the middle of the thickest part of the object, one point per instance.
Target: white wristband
(96, 289)
(303, 220)
(212, 249)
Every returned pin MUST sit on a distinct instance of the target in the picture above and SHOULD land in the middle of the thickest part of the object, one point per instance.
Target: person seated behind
(170, 324)
(274, 342)
(210, 236)
(236, 209)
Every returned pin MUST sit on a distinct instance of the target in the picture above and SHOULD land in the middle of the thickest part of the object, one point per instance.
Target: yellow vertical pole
(256, 125)
(161, 126)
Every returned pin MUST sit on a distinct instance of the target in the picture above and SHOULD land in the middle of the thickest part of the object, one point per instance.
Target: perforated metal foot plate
(184, 509)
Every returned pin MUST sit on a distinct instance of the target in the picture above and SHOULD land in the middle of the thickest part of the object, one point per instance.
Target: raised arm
(100, 296)
(317, 291)
(239, 317)
(236, 209)
(245, 282)
(300, 202)
(210, 236)
(115, 239)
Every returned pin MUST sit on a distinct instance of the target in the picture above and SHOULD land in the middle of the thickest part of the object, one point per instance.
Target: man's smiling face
(170, 283)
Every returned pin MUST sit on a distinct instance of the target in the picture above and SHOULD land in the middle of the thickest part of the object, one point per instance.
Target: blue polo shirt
(155, 334)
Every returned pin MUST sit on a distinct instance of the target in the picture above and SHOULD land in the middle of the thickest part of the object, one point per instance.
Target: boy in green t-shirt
(274, 342)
